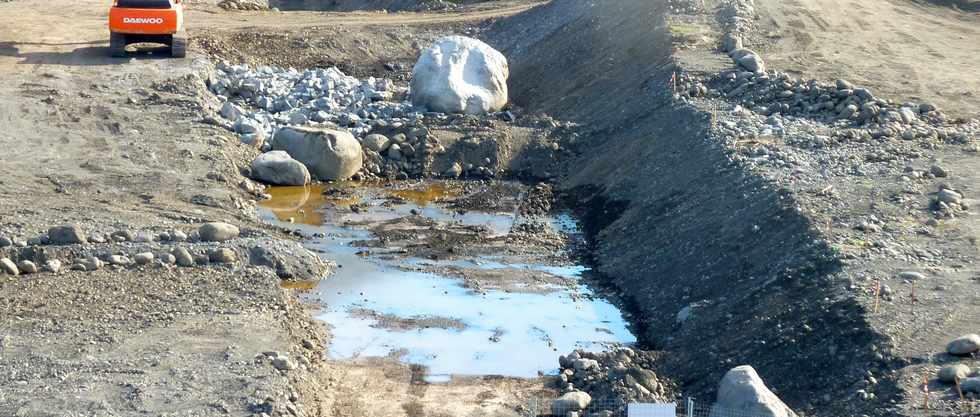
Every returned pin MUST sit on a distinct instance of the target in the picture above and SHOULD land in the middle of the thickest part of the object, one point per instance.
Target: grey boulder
(749, 59)
(278, 168)
(741, 392)
(376, 142)
(950, 373)
(330, 155)
(217, 232)
(571, 401)
(68, 234)
(971, 385)
(964, 345)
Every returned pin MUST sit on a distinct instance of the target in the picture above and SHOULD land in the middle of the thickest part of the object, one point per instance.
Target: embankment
(718, 264)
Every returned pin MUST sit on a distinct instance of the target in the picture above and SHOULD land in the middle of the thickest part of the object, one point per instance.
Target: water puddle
(486, 313)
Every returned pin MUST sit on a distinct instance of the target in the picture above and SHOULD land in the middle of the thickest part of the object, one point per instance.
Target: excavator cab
(147, 21)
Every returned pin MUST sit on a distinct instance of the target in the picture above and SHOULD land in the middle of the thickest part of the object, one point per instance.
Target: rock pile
(260, 101)
(244, 4)
(612, 379)
(213, 243)
(271, 107)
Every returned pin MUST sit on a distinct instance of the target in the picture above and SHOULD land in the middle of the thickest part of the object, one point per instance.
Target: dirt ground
(119, 145)
(906, 50)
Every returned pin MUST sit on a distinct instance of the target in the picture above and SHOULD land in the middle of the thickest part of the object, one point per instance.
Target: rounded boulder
(460, 75)
(329, 155)
(278, 168)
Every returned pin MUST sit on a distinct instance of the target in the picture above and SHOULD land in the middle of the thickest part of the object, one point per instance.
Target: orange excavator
(147, 21)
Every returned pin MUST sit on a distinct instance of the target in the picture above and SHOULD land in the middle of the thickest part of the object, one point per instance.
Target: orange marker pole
(925, 389)
(877, 293)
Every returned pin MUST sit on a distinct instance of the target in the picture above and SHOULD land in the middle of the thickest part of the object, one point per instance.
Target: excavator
(147, 21)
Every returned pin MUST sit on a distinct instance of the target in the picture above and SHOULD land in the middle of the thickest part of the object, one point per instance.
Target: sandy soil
(909, 51)
(119, 145)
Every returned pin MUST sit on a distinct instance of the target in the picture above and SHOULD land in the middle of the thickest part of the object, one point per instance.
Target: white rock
(742, 393)
(376, 142)
(585, 364)
(950, 373)
(231, 111)
(143, 258)
(571, 401)
(329, 155)
(217, 232)
(964, 345)
(27, 267)
(52, 265)
(8, 266)
(278, 168)
(460, 75)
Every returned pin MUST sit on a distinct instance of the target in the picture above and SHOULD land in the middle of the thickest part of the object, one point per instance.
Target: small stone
(8, 266)
(66, 235)
(454, 171)
(122, 236)
(143, 258)
(5, 241)
(938, 171)
(52, 265)
(964, 345)
(27, 267)
(120, 260)
(283, 363)
(178, 236)
(585, 364)
(949, 196)
(376, 142)
(90, 263)
(223, 255)
(395, 152)
(96, 238)
(570, 402)
(168, 259)
(218, 232)
(971, 385)
(308, 344)
(911, 275)
(183, 257)
(844, 85)
(950, 373)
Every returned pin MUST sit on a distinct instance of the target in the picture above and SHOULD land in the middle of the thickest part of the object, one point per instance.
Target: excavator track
(178, 45)
(117, 45)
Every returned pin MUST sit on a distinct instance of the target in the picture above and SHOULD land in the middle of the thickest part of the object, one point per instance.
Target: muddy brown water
(379, 305)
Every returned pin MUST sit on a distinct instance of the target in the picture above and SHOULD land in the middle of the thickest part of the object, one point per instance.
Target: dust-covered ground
(118, 148)
(741, 231)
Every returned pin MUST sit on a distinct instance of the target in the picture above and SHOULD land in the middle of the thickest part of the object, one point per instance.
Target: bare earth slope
(119, 145)
(726, 259)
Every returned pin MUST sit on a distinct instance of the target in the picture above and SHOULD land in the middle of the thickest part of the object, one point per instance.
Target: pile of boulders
(259, 101)
(244, 4)
(69, 247)
(609, 380)
(338, 126)
(960, 373)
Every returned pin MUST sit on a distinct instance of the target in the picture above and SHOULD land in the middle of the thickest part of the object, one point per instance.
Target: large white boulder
(742, 393)
(330, 155)
(571, 401)
(460, 75)
(278, 168)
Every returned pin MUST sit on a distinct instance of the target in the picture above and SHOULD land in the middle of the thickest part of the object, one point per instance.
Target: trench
(429, 274)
